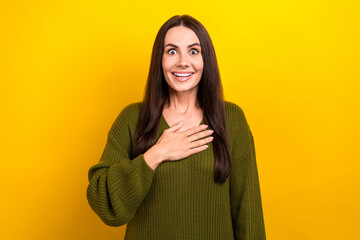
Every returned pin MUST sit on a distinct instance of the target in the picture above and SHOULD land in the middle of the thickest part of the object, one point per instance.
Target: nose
(183, 60)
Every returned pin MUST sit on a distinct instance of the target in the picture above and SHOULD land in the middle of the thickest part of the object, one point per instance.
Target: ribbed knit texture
(179, 199)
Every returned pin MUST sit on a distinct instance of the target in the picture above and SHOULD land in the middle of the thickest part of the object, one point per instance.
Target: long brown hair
(210, 97)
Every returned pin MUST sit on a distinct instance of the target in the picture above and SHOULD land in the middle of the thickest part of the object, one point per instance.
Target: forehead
(181, 35)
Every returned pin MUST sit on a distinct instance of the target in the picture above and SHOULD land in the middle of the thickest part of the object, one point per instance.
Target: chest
(196, 168)
(190, 120)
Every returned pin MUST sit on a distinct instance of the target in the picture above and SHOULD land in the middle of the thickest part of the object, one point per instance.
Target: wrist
(153, 157)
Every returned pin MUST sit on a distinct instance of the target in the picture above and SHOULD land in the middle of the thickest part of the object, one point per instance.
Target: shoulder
(130, 109)
(127, 117)
(232, 107)
(237, 126)
(234, 114)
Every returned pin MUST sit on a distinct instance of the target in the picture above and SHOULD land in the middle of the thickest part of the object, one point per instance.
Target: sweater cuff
(135, 173)
(144, 166)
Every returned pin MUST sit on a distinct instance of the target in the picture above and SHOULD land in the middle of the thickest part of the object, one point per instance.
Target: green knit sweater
(179, 199)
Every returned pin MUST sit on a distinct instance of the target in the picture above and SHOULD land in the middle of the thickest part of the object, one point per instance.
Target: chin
(183, 88)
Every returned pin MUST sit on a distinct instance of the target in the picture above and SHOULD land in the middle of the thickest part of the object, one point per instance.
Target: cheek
(166, 64)
(163, 62)
(199, 65)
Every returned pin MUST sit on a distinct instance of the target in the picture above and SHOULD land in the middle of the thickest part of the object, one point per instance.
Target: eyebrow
(191, 45)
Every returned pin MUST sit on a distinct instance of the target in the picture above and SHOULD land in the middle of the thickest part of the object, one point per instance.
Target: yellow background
(68, 68)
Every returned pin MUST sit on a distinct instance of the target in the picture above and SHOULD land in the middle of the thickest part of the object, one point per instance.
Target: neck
(182, 102)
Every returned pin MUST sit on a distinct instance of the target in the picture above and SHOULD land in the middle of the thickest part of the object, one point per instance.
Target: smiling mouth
(182, 76)
(177, 74)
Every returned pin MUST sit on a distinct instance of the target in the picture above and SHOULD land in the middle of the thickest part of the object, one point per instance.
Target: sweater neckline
(167, 125)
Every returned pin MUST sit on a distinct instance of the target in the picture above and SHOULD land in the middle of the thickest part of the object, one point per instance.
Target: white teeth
(182, 74)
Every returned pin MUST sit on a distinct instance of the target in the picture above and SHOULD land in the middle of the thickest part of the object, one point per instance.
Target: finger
(200, 135)
(176, 126)
(200, 142)
(196, 129)
(198, 149)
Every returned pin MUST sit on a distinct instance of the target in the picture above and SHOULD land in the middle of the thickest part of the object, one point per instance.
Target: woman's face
(182, 61)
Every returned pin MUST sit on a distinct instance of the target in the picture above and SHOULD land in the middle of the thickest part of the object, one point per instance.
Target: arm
(246, 207)
(245, 197)
(118, 184)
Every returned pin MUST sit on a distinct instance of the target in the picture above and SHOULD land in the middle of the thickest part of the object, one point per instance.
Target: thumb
(176, 126)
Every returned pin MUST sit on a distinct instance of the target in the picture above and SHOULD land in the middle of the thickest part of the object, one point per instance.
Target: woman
(179, 182)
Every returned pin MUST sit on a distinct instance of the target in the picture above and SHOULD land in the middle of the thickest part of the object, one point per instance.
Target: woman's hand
(173, 145)
(178, 145)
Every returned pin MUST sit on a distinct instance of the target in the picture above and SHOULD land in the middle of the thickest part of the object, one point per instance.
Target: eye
(194, 51)
(172, 51)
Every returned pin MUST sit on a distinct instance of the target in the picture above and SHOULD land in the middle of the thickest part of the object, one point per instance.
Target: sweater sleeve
(246, 206)
(118, 184)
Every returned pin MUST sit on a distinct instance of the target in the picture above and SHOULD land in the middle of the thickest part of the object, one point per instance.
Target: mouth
(182, 76)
